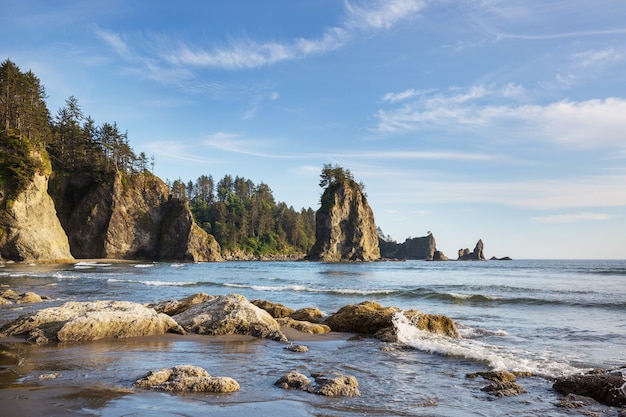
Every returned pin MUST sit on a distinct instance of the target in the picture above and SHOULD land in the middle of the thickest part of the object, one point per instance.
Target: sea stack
(345, 229)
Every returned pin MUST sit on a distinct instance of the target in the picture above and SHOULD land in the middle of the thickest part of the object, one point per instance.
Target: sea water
(551, 318)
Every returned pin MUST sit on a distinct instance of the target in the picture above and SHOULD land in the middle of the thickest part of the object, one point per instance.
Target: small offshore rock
(186, 378)
(504, 389)
(293, 380)
(297, 348)
(575, 401)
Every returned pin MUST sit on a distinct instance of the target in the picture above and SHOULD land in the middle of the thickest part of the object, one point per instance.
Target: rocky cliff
(129, 217)
(29, 227)
(344, 226)
(420, 248)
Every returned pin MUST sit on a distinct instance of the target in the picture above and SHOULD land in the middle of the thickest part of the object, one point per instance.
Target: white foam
(497, 357)
(144, 265)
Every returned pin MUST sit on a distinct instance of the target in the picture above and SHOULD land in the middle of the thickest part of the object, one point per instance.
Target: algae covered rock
(186, 378)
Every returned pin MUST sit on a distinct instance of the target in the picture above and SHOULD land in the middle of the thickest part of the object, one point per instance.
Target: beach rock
(502, 383)
(369, 317)
(297, 348)
(337, 385)
(85, 321)
(304, 326)
(310, 314)
(186, 378)
(575, 401)
(604, 386)
(10, 297)
(476, 255)
(173, 307)
(433, 323)
(293, 380)
(227, 315)
(276, 310)
(345, 229)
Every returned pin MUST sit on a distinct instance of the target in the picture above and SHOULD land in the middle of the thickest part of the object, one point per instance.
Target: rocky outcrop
(186, 378)
(605, 386)
(418, 248)
(129, 217)
(86, 321)
(476, 255)
(228, 315)
(310, 314)
(345, 229)
(369, 317)
(303, 326)
(276, 310)
(29, 228)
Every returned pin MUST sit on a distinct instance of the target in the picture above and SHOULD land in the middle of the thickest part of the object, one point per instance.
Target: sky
(478, 119)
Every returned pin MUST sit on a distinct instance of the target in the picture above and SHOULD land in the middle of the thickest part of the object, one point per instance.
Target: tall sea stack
(344, 224)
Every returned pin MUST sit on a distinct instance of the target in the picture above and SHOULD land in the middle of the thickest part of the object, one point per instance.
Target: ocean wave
(304, 288)
(496, 357)
(90, 265)
(144, 265)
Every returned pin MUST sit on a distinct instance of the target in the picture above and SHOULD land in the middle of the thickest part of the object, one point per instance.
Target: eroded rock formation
(418, 248)
(345, 229)
(476, 255)
(29, 227)
(186, 378)
(130, 217)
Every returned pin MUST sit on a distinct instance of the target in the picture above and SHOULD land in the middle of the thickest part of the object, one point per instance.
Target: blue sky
(498, 120)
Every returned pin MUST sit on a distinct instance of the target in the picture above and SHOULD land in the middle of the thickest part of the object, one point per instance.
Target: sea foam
(497, 357)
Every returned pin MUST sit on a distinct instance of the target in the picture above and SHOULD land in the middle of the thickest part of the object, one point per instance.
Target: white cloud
(572, 217)
(247, 53)
(593, 57)
(578, 124)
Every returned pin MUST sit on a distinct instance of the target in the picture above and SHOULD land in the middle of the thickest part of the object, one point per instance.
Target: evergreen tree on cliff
(344, 225)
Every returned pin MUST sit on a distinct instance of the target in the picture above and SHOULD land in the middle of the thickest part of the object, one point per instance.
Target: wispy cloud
(572, 218)
(579, 124)
(404, 95)
(246, 53)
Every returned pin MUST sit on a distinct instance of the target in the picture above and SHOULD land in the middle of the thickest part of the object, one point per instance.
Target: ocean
(548, 317)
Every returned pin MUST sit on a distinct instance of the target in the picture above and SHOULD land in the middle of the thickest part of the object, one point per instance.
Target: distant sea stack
(129, 216)
(418, 248)
(476, 255)
(345, 229)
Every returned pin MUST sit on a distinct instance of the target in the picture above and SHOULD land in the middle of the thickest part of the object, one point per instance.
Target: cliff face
(133, 217)
(344, 226)
(419, 248)
(29, 227)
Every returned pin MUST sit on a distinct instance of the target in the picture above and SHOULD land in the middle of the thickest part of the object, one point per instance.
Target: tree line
(244, 216)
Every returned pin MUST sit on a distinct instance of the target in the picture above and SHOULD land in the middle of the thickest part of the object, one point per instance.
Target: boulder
(604, 386)
(502, 383)
(303, 326)
(293, 380)
(173, 307)
(227, 315)
(10, 297)
(85, 321)
(297, 348)
(369, 317)
(310, 314)
(186, 378)
(337, 385)
(276, 310)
